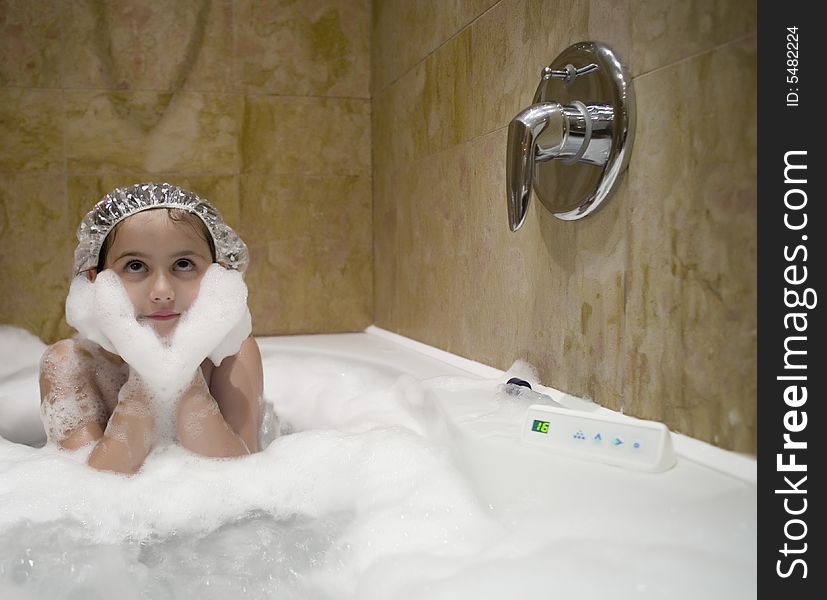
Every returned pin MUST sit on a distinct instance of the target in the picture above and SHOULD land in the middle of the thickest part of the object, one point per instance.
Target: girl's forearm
(126, 442)
(201, 428)
(130, 432)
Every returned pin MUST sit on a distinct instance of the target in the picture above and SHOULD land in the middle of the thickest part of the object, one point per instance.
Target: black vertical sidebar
(791, 300)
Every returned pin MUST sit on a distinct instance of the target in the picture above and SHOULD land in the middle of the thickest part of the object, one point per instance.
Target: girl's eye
(134, 266)
(184, 264)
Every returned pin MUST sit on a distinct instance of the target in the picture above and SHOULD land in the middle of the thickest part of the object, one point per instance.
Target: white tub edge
(738, 465)
(466, 364)
(742, 466)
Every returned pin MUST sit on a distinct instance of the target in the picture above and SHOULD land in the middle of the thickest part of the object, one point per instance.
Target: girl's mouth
(163, 315)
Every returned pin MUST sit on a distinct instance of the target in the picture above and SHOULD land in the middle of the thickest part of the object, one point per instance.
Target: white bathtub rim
(735, 464)
(466, 364)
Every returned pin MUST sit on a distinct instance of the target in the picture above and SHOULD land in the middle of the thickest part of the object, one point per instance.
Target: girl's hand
(130, 432)
(218, 321)
(200, 426)
(215, 325)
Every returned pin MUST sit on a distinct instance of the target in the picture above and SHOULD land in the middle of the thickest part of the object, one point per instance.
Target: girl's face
(160, 263)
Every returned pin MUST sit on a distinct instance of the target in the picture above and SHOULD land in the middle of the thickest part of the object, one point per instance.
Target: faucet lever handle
(523, 131)
(569, 73)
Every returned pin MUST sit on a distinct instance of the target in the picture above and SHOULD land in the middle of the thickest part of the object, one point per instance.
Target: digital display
(540, 426)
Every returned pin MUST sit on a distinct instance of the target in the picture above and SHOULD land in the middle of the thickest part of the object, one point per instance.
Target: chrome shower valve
(572, 144)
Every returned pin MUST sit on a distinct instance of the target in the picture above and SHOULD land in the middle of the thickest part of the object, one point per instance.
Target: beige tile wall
(261, 106)
(648, 306)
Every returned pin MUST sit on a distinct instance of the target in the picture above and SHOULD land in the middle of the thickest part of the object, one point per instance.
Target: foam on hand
(81, 313)
(215, 326)
(219, 319)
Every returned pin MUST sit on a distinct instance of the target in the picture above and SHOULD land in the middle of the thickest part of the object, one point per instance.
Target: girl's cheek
(191, 296)
(133, 294)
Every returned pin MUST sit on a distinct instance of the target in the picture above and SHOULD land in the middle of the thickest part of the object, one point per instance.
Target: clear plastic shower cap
(120, 203)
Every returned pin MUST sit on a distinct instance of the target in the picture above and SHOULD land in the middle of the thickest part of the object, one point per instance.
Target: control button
(597, 439)
(579, 435)
(636, 446)
(617, 442)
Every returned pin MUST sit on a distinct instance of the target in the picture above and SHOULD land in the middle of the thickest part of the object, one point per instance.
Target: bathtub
(393, 470)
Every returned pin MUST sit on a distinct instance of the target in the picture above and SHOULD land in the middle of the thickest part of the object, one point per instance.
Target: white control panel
(613, 439)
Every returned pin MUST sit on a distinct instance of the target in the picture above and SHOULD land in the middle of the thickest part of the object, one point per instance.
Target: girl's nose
(161, 289)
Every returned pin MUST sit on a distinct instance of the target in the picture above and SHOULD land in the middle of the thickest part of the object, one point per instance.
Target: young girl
(160, 241)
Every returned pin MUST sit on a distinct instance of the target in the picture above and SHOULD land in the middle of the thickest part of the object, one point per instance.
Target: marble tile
(163, 45)
(311, 242)
(665, 31)
(691, 306)
(430, 265)
(31, 127)
(394, 124)
(610, 22)
(429, 108)
(554, 290)
(568, 314)
(443, 112)
(306, 286)
(508, 43)
(148, 132)
(382, 138)
(293, 48)
(404, 33)
(385, 188)
(30, 43)
(306, 135)
(514, 41)
(499, 288)
(35, 256)
(601, 246)
(286, 207)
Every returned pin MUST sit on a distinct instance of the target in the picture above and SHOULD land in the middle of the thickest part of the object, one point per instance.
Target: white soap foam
(524, 370)
(214, 326)
(374, 503)
(351, 490)
(367, 474)
(19, 350)
(20, 353)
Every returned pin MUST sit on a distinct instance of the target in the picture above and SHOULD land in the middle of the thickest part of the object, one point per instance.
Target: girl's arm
(75, 414)
(130, 432)
(222, 420)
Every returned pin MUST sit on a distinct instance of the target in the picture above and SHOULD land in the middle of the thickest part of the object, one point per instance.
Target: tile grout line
(697, 54)
(435, 50)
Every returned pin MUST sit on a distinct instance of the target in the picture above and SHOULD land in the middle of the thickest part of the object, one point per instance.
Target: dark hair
(178, 215)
